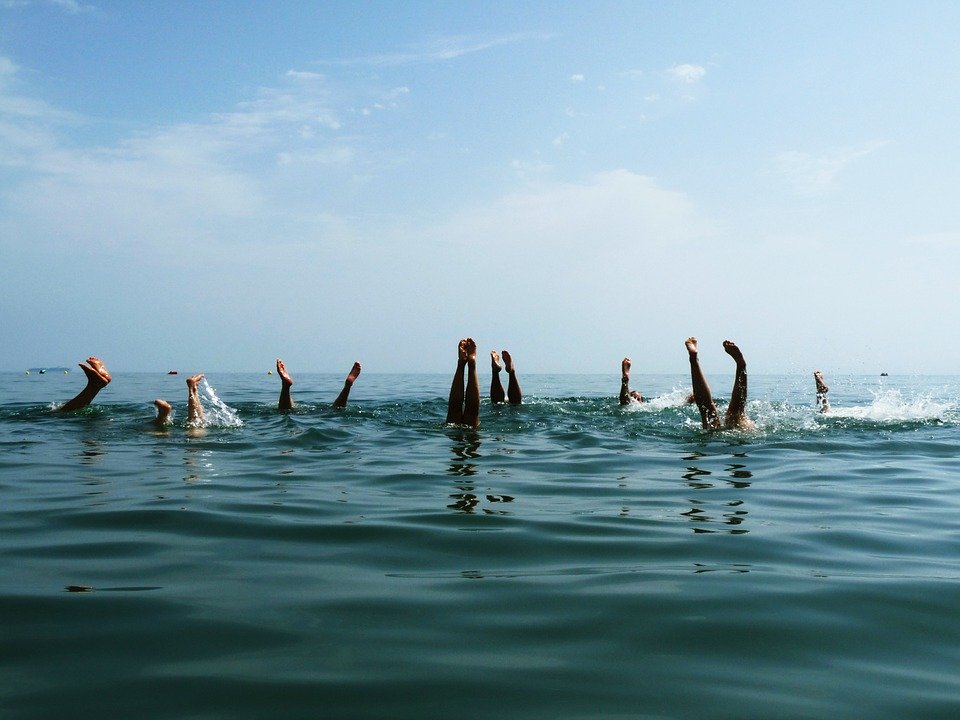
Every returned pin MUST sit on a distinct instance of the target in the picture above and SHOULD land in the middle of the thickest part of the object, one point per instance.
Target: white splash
(889, 406)
(674, 399)
(217, 413)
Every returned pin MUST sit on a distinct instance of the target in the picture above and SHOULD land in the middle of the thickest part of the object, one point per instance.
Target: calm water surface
(570, 559)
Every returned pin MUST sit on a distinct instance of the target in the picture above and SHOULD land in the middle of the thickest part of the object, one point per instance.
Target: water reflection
(467, 498)
(705, 511)
(198, 465)
(466, 449)
(91, 450)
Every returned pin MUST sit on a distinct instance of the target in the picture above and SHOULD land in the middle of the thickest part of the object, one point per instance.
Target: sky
(210, 186)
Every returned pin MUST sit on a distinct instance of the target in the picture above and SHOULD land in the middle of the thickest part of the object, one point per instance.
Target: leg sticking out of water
(626, 394)
(455, 401)
(286, 402)
(194, 408)
(701, 390)
(514, 394)
(164, 411)
(354, 373)
(497, 395)
(97, 379)
(822, 390)
(463, 408)
(736, 416)
(471, 400)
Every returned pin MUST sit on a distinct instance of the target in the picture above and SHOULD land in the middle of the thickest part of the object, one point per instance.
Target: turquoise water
(570, 559)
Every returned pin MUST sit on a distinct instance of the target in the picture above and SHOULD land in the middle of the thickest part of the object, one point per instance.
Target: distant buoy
(269, 372)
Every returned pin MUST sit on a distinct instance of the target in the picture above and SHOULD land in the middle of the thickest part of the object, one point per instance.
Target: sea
(571, 558)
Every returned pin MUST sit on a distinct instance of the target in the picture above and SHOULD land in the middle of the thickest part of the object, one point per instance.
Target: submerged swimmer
(464, 408)
(513, 396)
(735, 417)
(626, 394)
(97, 379)
(196, 418)
(822, 390)
(286, 402)
(195, 415)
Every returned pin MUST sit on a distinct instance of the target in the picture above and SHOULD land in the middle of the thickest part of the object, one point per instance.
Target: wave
(668, 414)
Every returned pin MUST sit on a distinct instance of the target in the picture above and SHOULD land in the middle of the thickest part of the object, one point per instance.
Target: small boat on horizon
(172, 372)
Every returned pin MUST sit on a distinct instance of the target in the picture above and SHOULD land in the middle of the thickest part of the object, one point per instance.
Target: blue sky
(207, 186)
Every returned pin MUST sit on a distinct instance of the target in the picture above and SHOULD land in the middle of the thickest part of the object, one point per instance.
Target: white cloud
(578, 78)
(815, 174)
(613, 212)
(688, 73)
(560, 139)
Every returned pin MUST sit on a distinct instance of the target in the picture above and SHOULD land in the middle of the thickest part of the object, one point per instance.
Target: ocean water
(569, 559)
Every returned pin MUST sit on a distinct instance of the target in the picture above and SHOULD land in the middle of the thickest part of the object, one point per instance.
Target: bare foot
(507, 361)
(625, 367)
(163, 411)
(96, 372)
(691, 343)
(468, 350)
(733, 351)
(495, 361)
(462, 350)
(193, 381)
(822, 387)
(354, 373)
(282, 372)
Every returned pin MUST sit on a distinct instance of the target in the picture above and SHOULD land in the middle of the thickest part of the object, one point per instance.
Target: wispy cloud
(687, 73)
(577, 78)
(815, 174)
(439, 50)
(7, 69)
(243, 174)
(70, 6)
(937, 240)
